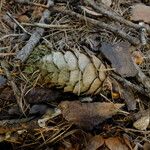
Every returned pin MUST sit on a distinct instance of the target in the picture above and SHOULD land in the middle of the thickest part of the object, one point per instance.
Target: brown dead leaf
(116, 143)
(37, 13)
(23, 18)
(138, 57)
(87, 115)
(120, 58)
(141, 12)
(146, 146)
(142, 123)
(95, 143)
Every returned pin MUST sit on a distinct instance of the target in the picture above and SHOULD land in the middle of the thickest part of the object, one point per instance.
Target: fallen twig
(24, 30)
(6, 54)
(35, 37)
(15, 89)
(43, 25)
(127, 83)
(113, 15)
(26, 2)
(103, 25)
(10, 35)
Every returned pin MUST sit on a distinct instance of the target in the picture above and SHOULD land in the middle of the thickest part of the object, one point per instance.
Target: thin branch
(6, 54)
(35, 37)
(43, 25)
(10, 35)
(15, 89)
(24, 30)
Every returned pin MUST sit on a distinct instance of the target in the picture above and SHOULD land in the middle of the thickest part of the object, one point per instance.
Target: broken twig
(35, 37)
(113, 15)
(47, 26)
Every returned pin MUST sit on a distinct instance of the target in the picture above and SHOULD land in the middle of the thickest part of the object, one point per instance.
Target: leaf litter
(74, 74)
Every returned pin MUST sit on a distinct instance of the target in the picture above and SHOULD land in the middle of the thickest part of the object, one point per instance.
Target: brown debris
(116, 143)
(140, 12)
(95, 142)
(120, 58)
(88, 115)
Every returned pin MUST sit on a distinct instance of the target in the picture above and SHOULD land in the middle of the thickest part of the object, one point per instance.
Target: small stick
(10, 35)
(26, 2)
(24, 30)
(35, 37)
(100, 24)
(43, 25)
(15, 89)
(6, 54)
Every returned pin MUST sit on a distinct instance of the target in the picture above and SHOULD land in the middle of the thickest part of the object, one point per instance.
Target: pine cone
(74, 71)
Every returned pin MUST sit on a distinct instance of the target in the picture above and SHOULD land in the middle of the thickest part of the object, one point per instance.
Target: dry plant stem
(18, 124)
(10, 35)
(43, 25)
(113, 15)
(27, 2)
(15, 89)
(103, 25)
(24, 30)
(6, 54)
(129, 84)
(35, 37)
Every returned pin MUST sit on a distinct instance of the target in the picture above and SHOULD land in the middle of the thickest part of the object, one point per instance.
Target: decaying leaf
(74, 71)
(23, 18)
(146, 146)
(138, 57)
(116, 143)
(142, 123)
(87, 115)
(95, 143)
(140, 12)
(120, 58)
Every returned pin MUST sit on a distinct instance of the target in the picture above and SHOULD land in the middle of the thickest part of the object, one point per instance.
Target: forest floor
(75, 75)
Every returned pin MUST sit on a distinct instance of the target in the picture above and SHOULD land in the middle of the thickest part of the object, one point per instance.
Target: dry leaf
(141, 12)
(120, 58)
(87, 115)
(116, 143)
(37, 13)
(146, 146)
(138, 57)
(142, 123)
(23, 18)
(95, 143)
